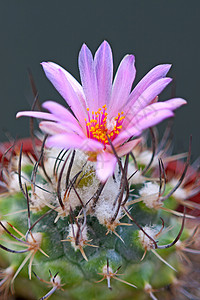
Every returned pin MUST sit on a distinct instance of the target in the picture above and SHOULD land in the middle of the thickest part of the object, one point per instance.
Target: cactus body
(83, 235)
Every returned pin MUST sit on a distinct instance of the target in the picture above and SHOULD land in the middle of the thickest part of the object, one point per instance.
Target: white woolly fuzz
(107, 270)
(12, 181)
(72, 201)
(180, 245)
(78, 163)
(104, 213)
(150, 195)
(148, 289)
(50, 159)
(149, 188)
(72, 232)
(35, 239)
(180, 193)
(86, 182)
(147, 244)
(9, 271)
(105, 209)
(137, 178)
(56, 281)
(144, 158)
(41, 197)
(25, 161)
(85, 186)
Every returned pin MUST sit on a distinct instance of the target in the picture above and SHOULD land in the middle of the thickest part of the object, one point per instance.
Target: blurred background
(155, 31)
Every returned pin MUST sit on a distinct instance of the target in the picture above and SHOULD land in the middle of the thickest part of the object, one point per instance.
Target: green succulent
(66, 235)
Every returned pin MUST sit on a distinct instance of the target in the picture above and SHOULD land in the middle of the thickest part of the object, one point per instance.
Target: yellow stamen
(101, 128)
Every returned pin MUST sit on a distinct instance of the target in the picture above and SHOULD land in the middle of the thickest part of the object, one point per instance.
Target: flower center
(100, 128)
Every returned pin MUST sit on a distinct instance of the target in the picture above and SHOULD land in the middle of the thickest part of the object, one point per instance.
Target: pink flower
(102, 107)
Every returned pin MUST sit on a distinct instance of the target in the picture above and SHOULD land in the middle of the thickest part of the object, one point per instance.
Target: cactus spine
(122, 239)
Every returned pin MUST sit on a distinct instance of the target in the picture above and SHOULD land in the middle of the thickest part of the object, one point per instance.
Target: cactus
(88, 210)
(67, 235)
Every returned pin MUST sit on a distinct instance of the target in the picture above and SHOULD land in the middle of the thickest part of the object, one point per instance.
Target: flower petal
(145, 119)
(60, 128)
(152, 76)
(59, 111)
(147, 96)
(88, 77)
(127, 147)
(52, 127)
(105, 166)
(171, 104)
(36, 114)
(68, 88)
(122, 85)
(156, 109)
(51, 68)
(103, 63)
(71, 140)
(150, 117)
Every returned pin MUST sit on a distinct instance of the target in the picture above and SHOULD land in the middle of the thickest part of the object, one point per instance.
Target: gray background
(155, 31)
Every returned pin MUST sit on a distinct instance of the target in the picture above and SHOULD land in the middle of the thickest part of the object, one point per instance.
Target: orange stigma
(99, 127)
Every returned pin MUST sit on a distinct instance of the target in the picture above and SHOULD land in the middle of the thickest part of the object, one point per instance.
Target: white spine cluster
(106, 206)
(87, 187)
(13, 182)
(147, 244)
(144, 158)
(35, 238)
(56, 281)
(137, 178)
(88, 181)
(150, 195)
(181, 193)
(42, 195)
(72, 233)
